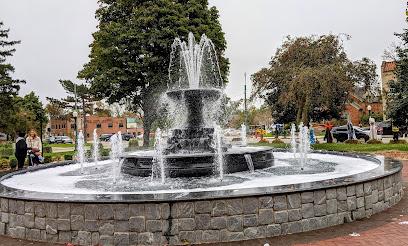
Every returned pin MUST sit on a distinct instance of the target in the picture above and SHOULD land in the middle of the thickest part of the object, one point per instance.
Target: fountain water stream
(159, 159)
(95, 150)
(244, 135)
(81, 150)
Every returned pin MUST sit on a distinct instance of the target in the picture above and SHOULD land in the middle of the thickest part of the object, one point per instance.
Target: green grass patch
(342, 147)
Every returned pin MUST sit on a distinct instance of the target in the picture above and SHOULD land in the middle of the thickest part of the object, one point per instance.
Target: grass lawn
(63, 145)
(341, 147)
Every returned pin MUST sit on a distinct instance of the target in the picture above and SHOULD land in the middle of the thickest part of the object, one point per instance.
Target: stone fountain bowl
(198, 164)
(89, 209)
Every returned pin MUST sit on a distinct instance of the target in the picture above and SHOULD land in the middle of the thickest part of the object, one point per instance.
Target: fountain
(208, 191)
(195, 146)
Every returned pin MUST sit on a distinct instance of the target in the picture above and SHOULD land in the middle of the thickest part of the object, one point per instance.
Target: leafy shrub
(47, 149)
(56, 158)
(6, 151)
(351, 141)
(13, 163)
(263, 140)
(47, 159)
(68, 157)
(4, 163)
(105, 152)
(374, 141)
(275, 141)
(133, 143)
(400, 141)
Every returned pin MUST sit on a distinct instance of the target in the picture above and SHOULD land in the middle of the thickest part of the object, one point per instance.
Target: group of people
(28, 147)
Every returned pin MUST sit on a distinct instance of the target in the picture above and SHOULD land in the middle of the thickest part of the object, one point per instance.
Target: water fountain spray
(159, 161)
(95, 150)
(293, 143)
(244, 135)
(114, 154)
(81, 150)
(218, 147)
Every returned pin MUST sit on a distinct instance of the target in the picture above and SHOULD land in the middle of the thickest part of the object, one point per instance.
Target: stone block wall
(201, 221)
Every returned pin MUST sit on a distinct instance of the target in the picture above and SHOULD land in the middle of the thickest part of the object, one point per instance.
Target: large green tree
(310, 78)
(9, 86)
(31, 114)
(398, 97)
(131, 50)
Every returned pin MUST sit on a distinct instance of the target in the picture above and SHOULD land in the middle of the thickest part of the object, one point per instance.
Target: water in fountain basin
(81, 150)
(250, 163)
(159, 160)
(95, 150)
(243, 135)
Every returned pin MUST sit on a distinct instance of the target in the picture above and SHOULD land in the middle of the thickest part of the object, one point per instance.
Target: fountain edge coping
(394, 166)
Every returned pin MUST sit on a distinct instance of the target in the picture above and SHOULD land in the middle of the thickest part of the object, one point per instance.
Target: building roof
(388, 66)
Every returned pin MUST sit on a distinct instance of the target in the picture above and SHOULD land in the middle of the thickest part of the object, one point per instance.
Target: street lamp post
(75, 115)
(369, 111)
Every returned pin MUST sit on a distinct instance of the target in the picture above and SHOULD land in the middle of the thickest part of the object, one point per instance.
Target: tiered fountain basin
(58, 204)
(198, 164)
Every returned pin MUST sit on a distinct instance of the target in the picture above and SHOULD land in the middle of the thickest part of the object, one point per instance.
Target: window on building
(120, 124)
(110, 125)
(99, 125)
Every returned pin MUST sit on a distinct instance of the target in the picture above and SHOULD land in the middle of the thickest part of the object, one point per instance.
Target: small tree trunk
(305, 111)
(299, 114)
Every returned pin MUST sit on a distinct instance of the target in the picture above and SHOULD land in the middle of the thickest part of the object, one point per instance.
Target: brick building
(356, 107)
(65, 126)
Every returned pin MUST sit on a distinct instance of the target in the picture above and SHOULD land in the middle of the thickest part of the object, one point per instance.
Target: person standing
(21, 150)
(35, 148)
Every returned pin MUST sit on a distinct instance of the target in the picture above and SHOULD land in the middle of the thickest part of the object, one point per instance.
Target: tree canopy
(398, 97)
(9, 86)
(131, 50)
(310, 78)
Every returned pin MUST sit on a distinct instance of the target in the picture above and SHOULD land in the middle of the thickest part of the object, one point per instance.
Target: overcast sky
(55, 34)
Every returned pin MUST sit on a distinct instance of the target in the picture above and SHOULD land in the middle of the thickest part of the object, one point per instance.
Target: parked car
(50, 140)
(66, 140)
(384, 128)
(58, 139)
(105, 137)
(340, 133)
(127, 136)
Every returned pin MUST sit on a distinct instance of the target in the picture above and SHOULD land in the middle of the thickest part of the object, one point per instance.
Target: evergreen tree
(131, 50)
(398, 97)
(9, 87)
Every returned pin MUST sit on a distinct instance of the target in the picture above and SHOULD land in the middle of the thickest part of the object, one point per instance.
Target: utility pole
(75, 114)
(245, 105)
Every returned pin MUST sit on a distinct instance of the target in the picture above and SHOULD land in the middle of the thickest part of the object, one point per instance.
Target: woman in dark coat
(21, 150)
